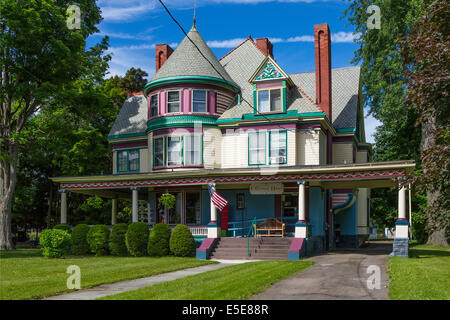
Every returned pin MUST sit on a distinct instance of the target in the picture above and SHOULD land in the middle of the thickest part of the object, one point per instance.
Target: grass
(25, 274)
(424, 276)
(230, 283)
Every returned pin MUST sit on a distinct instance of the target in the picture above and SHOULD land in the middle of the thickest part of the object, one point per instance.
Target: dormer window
(269, 100)
(198, 101)
(154, 105)
(173, 101)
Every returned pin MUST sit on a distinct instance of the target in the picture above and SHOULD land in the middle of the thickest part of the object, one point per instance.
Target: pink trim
(211, 102)
(186, 101)
(207, 244)
(269, 85)
(130, 145)
(172, 130)
(179, 167)
(162, 103)
(297, 244)
(268, 127)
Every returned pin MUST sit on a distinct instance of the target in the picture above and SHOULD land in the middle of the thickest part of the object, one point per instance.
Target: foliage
(80, 246)
(136, 239)
(182, 243)
(168, 200)
(65, 227)
(158, 242)
(117, 244)
(54, 242)
(92, 202)
(134, 80)
(428, 81)
(98, 239)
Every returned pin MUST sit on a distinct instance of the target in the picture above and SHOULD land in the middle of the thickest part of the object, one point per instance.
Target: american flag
(219, 202)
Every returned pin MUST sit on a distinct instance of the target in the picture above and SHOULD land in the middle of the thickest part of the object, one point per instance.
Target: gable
(268, 70)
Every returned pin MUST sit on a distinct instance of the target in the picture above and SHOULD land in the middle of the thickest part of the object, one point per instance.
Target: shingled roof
(186, 60)
(132, 118)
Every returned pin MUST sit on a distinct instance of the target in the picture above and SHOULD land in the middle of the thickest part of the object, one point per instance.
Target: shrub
(98, 239)
(54, 242)
(418, 230)
(117, 244)
(182, 243)
(158, 242)
(80, 245)
(65, 227)
(136, 239)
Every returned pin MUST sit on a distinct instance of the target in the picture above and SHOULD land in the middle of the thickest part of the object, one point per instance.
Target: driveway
(337, 275)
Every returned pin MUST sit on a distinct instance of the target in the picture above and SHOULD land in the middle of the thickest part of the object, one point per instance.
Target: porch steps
(263, 248)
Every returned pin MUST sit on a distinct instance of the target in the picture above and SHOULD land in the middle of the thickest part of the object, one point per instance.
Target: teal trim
(127, 135)
(180, 121)
(128, 160)
(285, 132)
(284, 96)
(132, 148)
(401, 223)
(350, 200)
(191, 79)
(289, 113)
(344, 130)
(239, 99)
(255, 100)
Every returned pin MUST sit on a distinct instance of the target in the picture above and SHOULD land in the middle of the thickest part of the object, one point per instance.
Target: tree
(134, 80)
(427, 51)
(384, 90)
(39, 55)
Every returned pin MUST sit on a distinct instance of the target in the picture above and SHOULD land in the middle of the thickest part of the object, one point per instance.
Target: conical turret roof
(186, 60)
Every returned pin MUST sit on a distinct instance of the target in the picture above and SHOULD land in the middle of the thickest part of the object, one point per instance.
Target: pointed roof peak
(194, 58)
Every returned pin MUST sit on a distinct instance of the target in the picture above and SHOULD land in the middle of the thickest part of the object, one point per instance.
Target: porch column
(63, 206)
(114, 211)
(134, 201)
(301, 227)
(401, 239)
(213, 228)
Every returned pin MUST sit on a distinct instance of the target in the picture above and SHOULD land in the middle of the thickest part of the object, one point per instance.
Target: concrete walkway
(123, 286)
(338, 275)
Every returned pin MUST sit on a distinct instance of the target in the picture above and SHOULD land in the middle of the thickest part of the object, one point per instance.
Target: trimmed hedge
(54, 242)
(182, 243)
(80, 246)
(98, 239)
(136, 239)
(158, 242)
(117, 245)
(65, 227)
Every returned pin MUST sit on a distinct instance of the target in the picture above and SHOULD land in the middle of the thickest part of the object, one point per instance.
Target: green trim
(255, 100)
(180, 121)
(344, 130)
(289, 113)
(127, 135)
(128, 160)
(284, 97)
(191, 79)
(279, 131)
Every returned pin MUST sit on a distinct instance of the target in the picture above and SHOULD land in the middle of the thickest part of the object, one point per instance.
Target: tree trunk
(437, 231)
(8, 179)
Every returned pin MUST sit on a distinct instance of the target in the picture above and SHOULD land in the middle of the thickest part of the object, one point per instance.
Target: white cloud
(370, 127)
(231, 43)
(113, 10)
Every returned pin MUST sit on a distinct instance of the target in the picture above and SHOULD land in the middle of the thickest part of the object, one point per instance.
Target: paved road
(338, 275)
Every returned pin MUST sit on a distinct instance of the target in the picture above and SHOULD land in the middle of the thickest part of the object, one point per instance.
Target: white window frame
(270, 101)
(173, 102)
(193, 101)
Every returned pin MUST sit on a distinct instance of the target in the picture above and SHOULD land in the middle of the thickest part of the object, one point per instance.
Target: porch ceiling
(363, 175)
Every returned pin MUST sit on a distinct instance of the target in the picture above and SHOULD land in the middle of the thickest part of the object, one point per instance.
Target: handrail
(248, 236)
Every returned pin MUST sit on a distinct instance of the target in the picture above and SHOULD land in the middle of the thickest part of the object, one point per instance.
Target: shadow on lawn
(20, 253)
(423, 253)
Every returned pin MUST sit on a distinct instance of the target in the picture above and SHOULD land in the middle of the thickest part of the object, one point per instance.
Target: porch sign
(266, 188)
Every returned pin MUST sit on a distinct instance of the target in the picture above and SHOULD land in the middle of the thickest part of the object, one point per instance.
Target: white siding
(150, 151)
(291, 148)
(143, 160)
(362, 211)
(212, 140)
(308, 147)
(342, 153)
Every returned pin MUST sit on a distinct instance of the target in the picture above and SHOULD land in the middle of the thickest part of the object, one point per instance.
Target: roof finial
(195, 4)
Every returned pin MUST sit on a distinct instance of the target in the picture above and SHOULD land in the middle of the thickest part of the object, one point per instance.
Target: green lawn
(424, 276)
(235, 282)
(25, 274)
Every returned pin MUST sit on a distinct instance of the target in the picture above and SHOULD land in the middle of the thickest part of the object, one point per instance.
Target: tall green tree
(427, 51)
(384, 90)
(39, 56)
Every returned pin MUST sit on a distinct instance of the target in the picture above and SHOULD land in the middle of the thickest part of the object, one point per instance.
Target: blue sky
(136, 26)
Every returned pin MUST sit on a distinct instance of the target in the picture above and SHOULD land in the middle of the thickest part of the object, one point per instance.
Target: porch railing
(196, 231)
(241, 228)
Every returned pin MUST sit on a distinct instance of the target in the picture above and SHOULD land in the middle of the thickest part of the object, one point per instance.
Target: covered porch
(302, 197)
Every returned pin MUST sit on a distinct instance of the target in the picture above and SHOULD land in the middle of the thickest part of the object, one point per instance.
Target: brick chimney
(162, 53)
(322, 39)
(265, 46)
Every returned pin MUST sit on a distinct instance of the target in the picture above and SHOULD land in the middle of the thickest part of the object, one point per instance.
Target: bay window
(173, 101)
(193, 152)
(198, 100)
(158, 151)
(154, 105)
(173, 151)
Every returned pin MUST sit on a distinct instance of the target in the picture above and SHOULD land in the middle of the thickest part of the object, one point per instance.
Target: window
(257, 148)
(198, 101)
(240, 201)
(173, 101)
(289, 205)
(173, 151)
(158, 150)
(128, 160)
(269, 100)
(175, 212)
(277, 143)
(193, 150)
(154, 105)
(193, 207)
